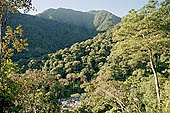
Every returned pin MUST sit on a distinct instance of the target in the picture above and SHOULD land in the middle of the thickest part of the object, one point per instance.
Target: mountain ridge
(47, 35)
(86, 19)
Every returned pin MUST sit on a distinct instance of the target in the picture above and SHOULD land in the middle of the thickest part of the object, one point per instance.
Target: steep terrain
(93, 20)
(122, 69)
(125, 69)
(46, 36)
(49, 35)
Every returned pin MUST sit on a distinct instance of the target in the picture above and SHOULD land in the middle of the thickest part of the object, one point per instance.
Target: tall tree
(143, 38)
(10, 6)
(10, 41)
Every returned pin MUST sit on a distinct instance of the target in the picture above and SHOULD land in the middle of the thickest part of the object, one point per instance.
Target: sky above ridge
(117, 7)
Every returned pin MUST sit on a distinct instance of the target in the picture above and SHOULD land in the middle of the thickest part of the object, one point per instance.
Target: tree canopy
(123, 70)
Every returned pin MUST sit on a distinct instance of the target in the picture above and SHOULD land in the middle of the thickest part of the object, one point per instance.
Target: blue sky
(117, 7)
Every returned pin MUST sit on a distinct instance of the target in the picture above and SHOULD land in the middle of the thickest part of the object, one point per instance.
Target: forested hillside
(119, 69)
(48, 35)
(100, 20)
(123, 70)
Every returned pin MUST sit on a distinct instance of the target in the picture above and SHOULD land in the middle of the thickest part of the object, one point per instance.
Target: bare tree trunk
(121, 104)
(34, 110)
(156, 81)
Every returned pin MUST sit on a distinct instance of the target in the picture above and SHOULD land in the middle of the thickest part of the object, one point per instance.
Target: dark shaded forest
(45, 35)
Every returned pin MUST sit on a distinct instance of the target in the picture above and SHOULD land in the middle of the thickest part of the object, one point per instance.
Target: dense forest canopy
(118, 61)
(123, 70)
(46, 35)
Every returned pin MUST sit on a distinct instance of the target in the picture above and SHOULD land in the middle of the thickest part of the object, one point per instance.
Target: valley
(46, 35)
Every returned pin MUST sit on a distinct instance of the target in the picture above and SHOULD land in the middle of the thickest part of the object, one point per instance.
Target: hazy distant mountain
(99, 20)
(55, 29)
(103, 20)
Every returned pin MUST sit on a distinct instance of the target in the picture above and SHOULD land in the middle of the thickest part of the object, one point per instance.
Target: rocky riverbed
(69, 103)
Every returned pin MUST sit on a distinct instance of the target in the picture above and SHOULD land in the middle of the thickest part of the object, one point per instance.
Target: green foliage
(93, 20)
(14, 5)
(104, 20)
(53, 36)
(10, 42)
(49, 35)
(114, 70)
(8, 89)
(39, 92)
(80, 62)
(125, 82)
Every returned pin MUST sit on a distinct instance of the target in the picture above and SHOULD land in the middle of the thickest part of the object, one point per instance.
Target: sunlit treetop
(14, 5)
